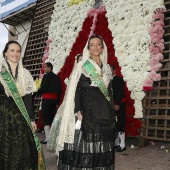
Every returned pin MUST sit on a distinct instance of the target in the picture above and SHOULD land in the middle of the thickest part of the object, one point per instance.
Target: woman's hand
(79, 116)
(34, 126)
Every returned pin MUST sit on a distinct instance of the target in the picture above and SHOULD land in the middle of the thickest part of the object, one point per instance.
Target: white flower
(62, 30)
(130, 22)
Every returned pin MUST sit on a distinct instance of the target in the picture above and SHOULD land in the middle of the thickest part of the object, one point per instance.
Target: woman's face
(13, 53)
(95, 47)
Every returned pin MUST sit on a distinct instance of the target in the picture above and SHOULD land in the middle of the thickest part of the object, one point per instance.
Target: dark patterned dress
(17, 146)
(93, 147)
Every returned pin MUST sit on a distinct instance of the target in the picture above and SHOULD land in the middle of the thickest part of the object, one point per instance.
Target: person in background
(50, 90)
(85, 123)
(19, 146)
(120, 109)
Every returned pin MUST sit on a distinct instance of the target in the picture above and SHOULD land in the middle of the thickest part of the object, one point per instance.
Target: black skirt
(17, 146)
(93, 147)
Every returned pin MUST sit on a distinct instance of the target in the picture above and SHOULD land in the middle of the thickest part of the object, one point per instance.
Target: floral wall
(133, 32)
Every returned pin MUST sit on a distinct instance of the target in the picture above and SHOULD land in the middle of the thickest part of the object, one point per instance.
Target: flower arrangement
(156, 48)
(130, 24)
(64, 29)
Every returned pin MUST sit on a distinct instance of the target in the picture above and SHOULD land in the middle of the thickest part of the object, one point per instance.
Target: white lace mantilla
(63, 126)
(25, 83)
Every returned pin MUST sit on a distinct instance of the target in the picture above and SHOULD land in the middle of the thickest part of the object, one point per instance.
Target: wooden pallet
(37, 42)
(156, 122)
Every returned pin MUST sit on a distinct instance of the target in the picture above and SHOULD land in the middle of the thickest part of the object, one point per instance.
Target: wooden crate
(156, 121)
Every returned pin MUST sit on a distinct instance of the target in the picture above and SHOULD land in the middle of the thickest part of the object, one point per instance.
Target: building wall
(21, 33)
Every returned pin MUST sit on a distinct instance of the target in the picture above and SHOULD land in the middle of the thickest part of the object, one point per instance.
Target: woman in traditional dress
(88, 143)
(19, 146)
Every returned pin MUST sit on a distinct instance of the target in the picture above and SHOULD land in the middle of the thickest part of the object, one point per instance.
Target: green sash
(19, 102)
(96, 77)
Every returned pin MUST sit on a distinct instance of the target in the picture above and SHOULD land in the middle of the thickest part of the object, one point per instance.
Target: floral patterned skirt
(17, 146)
(87, 155)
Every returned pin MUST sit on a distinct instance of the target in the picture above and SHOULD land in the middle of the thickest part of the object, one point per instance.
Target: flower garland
(64, 29)
(156, 48)
(130, 22)
(94, 13)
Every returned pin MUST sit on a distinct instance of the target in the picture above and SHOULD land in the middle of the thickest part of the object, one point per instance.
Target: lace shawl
(25, 83)
(63, 126)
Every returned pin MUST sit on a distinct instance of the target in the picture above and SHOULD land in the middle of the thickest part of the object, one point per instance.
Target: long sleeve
(44, 85)
(120, 92)
(29, 105)
(118, 89)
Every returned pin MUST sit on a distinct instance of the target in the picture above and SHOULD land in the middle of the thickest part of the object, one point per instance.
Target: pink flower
(160, 23)
(154, 76)
(47, 48)
(48, 41)
(44, 58)
(154, 39)
(157, 77)
(160, 45)
(156, 67)
(46, 54)
(153, 61)
(148, 82)
(158, 16)
(157, 29)
(153, 49)
(158, 56)
(156, 35)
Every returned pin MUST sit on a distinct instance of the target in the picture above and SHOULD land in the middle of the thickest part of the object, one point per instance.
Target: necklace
(16, 71)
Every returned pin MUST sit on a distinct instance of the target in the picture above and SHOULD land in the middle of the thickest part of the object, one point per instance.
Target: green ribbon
(96, 77)
(19, 102)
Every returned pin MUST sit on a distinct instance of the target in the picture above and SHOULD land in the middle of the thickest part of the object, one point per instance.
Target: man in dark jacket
(120, 109)
(51, 91)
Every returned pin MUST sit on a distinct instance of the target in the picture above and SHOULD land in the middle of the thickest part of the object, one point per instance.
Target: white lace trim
(25, 83)
(66, 110)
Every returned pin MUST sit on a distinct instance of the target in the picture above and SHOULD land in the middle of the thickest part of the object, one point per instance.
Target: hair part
(7, 46)
(95, 36)
(49, 65)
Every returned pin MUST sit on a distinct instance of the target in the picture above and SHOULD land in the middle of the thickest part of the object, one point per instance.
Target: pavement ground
(155, 156)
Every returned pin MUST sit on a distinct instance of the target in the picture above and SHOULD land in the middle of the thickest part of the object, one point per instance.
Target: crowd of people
(88, 125)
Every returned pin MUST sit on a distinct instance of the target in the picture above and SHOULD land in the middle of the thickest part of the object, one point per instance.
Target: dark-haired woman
(88, 143)
(19, 146)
